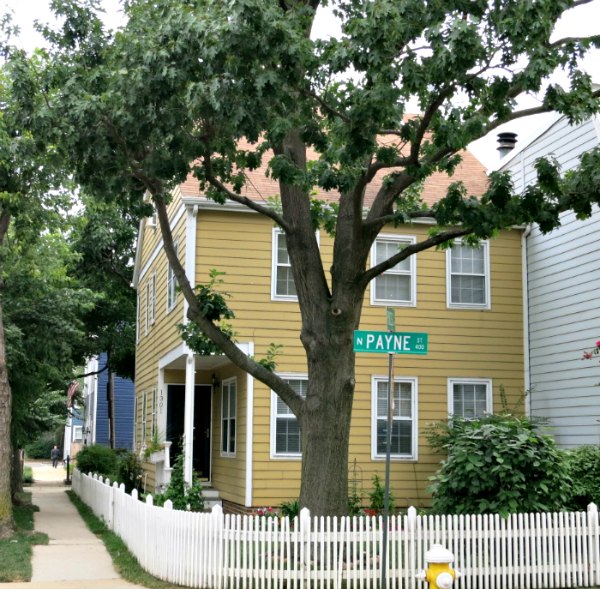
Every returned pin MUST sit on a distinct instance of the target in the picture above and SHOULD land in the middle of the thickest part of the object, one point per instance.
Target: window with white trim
(285, 429)
(144, 409)
(396, 286)
(404, 418)
(228, 416)
(469, 398)
(282, 279)
(153, 299)
(153, 425)
(468, 276)
(148, 303)
(172, 283)
(77, 433)
(138, 318)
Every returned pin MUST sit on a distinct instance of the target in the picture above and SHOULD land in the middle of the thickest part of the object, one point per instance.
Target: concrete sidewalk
(74, 557)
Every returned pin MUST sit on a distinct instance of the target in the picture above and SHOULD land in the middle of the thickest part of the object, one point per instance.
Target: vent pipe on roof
(506, 143)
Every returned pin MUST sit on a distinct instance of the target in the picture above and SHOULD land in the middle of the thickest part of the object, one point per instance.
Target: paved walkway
(74, 557)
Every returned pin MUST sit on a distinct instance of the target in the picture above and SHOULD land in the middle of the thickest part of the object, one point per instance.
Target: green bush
(97, 459)
(183, 496)
(41, 447)
(129, 470)
(377, 497)
(498, 464)
(584, 469)
(290, 509)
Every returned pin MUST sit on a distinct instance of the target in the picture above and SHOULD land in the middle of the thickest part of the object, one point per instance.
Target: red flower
(598, 344)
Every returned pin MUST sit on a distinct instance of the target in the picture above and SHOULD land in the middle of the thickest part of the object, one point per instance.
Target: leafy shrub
(584, 469)
(27, 475)
(183, 496)
(377, 498)
(97, 459)
(41, 447)
(290, 509)
(498, 464)
(129, 470)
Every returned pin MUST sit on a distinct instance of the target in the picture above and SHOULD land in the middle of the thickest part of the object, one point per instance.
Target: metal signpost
(389, 342)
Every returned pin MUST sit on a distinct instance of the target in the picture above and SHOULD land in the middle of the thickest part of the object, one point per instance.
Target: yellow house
(242, 440)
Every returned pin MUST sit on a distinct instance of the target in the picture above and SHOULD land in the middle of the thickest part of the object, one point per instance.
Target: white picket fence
(212, 550)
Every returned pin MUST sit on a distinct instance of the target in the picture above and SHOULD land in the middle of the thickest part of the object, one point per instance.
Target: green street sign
(390, 315)
(383, 342)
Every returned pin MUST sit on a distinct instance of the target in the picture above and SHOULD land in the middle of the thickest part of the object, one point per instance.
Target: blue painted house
(95, 395)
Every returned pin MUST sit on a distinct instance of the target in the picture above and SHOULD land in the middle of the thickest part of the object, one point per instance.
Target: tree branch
(411, 250)
(567, 40)
(294, 401)
(243, 200)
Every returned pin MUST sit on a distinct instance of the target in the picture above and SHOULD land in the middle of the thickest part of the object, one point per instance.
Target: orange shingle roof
(259, 187)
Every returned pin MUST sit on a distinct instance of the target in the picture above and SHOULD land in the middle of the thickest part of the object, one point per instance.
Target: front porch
(204, 411)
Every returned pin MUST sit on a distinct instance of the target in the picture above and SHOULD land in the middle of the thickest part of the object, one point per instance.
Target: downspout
(525, 287)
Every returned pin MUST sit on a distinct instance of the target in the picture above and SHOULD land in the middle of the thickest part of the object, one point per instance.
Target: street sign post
(389, 342)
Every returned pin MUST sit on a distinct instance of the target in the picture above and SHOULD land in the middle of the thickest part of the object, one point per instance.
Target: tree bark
(6, 514)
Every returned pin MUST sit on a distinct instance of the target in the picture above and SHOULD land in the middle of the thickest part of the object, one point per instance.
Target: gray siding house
(562, 295)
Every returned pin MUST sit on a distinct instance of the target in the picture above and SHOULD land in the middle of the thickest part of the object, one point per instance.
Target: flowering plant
(266, 512)
(588, 355)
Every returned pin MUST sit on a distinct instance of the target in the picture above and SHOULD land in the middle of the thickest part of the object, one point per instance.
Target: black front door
(202, 414)
(202, 430)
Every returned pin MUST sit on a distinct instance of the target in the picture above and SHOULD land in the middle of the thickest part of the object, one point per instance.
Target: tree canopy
(177, 89)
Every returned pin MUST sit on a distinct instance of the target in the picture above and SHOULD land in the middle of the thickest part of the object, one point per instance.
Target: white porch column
(188, 427)
(249, 430)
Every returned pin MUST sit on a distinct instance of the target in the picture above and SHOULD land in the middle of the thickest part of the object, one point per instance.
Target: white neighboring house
(563, 294)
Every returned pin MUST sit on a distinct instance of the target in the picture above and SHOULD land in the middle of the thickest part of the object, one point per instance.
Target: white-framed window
(468, 276)
(469, 398)
(282, 279)
(404, 418)
(172, 283)
(148, 304)
(153, 299)
(77, 433)
(285, 429)
(138, 318)
(396, 286)
(153, 424)
(144, 408)
(228, 416)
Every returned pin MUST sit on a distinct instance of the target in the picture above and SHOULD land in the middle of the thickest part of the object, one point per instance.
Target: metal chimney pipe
(506, 142)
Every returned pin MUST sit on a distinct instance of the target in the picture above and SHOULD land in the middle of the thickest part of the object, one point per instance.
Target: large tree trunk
(325, 426)
(6, 515)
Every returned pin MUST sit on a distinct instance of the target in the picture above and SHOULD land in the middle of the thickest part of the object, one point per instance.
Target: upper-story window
(153, 298)
(172, 283)
(285, 429)
(282, 279)
(396, 286)
(148, 306)
(469, 398)
(468, 276)
(228, 416)
(404, 418)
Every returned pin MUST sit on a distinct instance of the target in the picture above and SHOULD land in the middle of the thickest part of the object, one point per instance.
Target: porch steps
(211, 498)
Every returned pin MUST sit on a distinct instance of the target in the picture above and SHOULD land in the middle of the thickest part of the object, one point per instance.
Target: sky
(581, 21)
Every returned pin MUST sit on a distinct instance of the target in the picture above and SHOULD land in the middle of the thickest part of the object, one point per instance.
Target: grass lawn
(15, 552)
(124, 562)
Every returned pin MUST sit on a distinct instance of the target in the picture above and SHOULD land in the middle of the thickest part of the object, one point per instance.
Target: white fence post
(305, 546)
(594, 542)
(220, 572)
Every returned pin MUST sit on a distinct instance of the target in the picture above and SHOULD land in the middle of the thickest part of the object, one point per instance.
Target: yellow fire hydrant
(439, 573)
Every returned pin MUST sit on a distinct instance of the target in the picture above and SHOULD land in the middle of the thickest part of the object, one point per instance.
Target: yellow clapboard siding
(462, 343)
